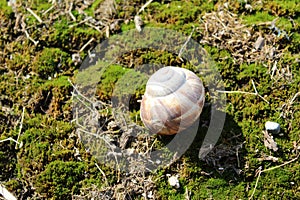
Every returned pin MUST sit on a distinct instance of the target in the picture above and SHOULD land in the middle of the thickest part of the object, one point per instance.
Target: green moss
(91, 10)
(259, 17)
(60, 82)
(127, 27)
(282, 8)
(37, 5)
(46, 165)
(108, 80)
(277, 179)
(61, 179)
(129, 88)
(5, 8)
(67, 35)
(50, 61)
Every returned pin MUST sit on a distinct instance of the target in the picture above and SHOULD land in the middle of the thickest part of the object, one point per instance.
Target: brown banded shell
(173, 100)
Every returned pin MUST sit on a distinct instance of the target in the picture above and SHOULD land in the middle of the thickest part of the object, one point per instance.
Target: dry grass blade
(269, 169)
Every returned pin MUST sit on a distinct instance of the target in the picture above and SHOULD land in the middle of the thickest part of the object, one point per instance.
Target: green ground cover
(51, 161)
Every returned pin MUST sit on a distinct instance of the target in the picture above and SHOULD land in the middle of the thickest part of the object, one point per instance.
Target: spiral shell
(173, 100)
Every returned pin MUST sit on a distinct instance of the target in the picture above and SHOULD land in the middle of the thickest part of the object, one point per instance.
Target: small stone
(248, 7)
(174, 182)
(260, 43)
(138, 23)
(272, 127)
(76, 58)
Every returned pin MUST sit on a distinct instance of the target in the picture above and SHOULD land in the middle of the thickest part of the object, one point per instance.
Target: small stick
(102, 172)
(258, 93)
(144, 6)
(81, 22)
(110, 146)
(6, 194)
(259, 172)
(95, 27)
(10, 139)
(236, 92)
(242, 92)
(84, 46)
(269, 169)
(220, 22)
(23, 25)
(21, 126)
(30, 38)
(70, 12)
(44, 13)
(79, 93)
(35, 15)
(283, 164)
(237, 156)
(295, 96)
(81, 101)
(186, 42)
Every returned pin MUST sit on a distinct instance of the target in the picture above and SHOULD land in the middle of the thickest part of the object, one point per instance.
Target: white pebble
(174, 182)
(272, 127)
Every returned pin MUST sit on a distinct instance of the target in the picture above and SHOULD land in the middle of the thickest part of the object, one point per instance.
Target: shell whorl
(165, 81)
(173, 100)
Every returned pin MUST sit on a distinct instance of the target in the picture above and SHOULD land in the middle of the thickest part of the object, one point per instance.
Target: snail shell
(173, 100)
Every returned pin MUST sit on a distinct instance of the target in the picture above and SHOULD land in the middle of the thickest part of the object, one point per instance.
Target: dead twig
(293, 99)
(23, 25)
(242, 92)
(79, 93)
(6, 194)
(144, 6)
(269, 169)
(110, 145)
(30, 38)
(10, 139)
(48, 10)
(21, 126)
(186, 42)
(95, 27)
(70, 12)
(86, 44)
(35, 15)
(102, 172)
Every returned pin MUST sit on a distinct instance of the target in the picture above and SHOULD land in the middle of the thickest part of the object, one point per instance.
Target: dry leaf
(269, 141)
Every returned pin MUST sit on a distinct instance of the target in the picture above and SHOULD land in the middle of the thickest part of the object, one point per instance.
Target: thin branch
(283, 164)
(236, 92)
(259, 173)
(44, 13)
(269, 169)
(10, 139)
(81, 101)
(242, 92)
(186, 42)
(95, 27)
(257, 92)
(144, 6)
(30, 38)
(6, 194)
(102, 172)
(70, 12)
(23, 25)
(35, 15)
(21, 126)
(295, 96)
(79, 93)
(84, 46)
(108, 143)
